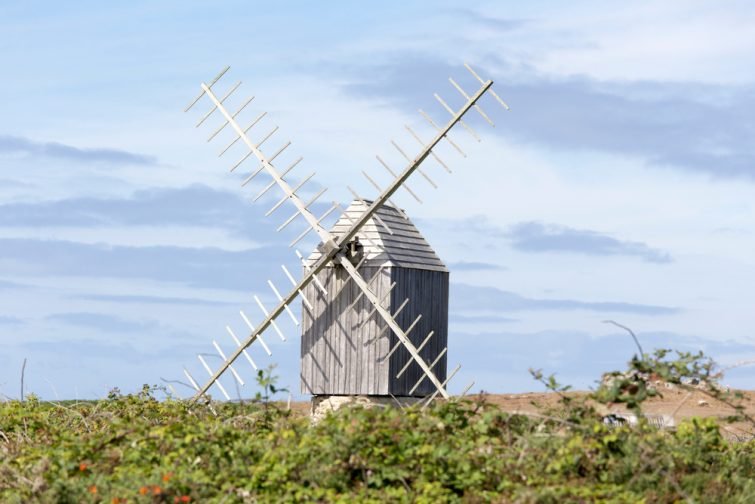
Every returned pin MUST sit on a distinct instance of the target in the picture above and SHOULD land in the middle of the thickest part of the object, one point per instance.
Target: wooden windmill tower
(374, 294)
(404, 271)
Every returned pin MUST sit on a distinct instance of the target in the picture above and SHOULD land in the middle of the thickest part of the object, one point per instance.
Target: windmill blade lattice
(333, 249)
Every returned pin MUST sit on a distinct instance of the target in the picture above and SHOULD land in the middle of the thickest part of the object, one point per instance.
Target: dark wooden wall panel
(428, 295)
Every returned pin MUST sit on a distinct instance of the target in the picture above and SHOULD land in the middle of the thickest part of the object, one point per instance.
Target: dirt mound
(673, 402)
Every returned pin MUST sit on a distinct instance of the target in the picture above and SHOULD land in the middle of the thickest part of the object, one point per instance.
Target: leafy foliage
(134, 448)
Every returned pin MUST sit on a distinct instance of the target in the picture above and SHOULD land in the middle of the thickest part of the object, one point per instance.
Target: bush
(134, 448)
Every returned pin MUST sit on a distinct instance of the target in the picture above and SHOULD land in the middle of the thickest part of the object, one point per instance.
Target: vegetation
(134, 448)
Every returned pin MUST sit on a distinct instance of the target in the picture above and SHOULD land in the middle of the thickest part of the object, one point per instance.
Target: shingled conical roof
(405, 248)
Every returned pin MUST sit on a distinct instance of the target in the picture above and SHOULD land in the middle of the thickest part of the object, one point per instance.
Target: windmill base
(324, 404)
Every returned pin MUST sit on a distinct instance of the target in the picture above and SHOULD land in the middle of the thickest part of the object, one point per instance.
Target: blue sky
(620, 186)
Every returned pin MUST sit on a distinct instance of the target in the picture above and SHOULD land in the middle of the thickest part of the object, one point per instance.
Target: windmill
(350, 273)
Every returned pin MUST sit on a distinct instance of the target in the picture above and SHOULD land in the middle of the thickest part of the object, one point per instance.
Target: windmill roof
(405, 247)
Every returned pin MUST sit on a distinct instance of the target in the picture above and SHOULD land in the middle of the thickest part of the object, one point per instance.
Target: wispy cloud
(467, 297)
(497, 361)
(200, 267)
(56, 367)
(477, 225)
(541, 237)
(5, 284)
(456, 318)
(8, 321)
(677, 125)
(102, 322)
(196, 205)
(13, 184)
(95, 349)
(494, 23)
(475, 266)
(24, 146)
(547, 237)
(150, 300)
(502, 359)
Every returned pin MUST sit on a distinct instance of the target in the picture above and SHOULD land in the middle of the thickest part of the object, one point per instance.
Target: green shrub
(134, 448)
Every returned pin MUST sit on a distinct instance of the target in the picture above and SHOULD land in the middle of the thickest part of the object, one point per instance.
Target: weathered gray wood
(342, 354)
(428, 291)
(405, 247)
(342, 351)
(339, 357)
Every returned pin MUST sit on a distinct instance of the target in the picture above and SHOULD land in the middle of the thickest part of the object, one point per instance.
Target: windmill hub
(354, 251)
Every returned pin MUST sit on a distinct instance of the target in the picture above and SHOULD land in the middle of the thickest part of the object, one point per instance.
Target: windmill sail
(333, 248)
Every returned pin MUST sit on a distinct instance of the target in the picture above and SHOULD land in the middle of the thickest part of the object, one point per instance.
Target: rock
(322, 405)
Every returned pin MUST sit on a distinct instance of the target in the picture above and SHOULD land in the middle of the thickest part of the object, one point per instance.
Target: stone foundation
(324, 404)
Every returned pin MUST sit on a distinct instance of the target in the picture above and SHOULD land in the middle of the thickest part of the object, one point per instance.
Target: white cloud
(668, 41)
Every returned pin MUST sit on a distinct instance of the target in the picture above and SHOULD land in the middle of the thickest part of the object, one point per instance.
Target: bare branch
(634, 337)
(23, 372)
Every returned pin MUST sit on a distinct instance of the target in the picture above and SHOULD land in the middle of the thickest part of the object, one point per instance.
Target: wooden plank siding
(340, 350)
(428, 295)
(344, 354)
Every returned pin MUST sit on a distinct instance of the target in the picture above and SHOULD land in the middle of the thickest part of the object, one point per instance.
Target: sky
(620, 185)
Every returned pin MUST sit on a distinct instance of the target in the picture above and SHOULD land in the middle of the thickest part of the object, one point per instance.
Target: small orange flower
(143, 490)
(93, 489)
(167, 476)
(83, 466)
(185, 498)
(156, 490)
